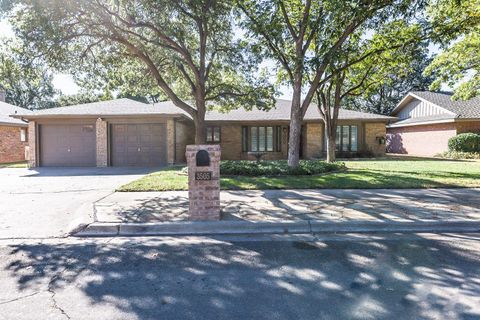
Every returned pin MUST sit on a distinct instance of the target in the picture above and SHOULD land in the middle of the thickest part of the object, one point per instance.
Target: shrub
(465, 142)
(277, 168)
(457, 155)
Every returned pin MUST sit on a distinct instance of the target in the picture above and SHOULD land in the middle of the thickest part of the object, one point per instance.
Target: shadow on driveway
(416, 279)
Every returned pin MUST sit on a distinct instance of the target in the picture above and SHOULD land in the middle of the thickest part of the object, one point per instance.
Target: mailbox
(203, 158)
(203, 181)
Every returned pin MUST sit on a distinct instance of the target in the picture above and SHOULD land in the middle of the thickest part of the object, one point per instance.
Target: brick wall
(231, 144)
(424, 140)
(11, 148)
(32, 144)
(101, 142)
(184, 135)
(468, 126)
(170, 141)
(373, 130)
(313, 141)
(204, 195)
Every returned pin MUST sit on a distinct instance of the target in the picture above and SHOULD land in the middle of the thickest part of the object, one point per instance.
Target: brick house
(427, 120)
(13, 132)
(124, 132)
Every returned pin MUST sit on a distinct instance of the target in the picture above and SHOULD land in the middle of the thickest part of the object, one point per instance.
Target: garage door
(67, 145)
(140, 145)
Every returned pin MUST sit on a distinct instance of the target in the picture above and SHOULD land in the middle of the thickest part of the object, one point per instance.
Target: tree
(390, 49)
(459, 63)
(185, 48)
(305, 38)
(80, 98)
(27, 81)
(384, 97)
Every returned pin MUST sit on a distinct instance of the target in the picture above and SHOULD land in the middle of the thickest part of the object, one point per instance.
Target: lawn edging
(212, 228)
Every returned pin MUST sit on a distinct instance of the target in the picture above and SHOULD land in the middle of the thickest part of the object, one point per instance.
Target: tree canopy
(393, 83)
(27, 81)
(458, 65)
(318, 45)
(184, 50)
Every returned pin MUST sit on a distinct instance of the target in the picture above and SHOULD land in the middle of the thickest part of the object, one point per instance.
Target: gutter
(399, 125)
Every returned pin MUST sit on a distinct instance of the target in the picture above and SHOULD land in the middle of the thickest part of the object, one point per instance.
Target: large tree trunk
(295, 126)
(199, 120)
(331, 149)
(200, 132)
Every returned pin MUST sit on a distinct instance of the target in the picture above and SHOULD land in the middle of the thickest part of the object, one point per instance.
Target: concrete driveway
(44, 202)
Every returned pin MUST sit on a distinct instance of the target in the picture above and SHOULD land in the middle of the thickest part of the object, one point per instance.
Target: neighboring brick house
(124, 132)
(427, 120)
(13, 133)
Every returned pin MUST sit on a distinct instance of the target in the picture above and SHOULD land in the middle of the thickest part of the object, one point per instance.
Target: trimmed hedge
(277, 168)
(465, 142)
(457, 155)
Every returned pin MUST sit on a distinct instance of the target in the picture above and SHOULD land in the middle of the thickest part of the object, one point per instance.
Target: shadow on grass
(416, 279)
(356, 179)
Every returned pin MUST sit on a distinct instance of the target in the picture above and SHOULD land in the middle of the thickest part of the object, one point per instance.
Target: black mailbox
(203, 158)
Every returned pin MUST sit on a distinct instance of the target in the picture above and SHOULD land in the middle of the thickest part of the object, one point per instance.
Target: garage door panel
(67, 145)
(139, 145)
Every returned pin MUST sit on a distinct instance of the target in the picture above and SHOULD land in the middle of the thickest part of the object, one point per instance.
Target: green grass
(361, 174)
(20, 164)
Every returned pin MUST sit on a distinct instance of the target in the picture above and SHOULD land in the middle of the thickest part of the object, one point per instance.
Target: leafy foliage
(394, 84)
(277, 168)
(465, 142)
(320, 48)
(458, 155)
(181, 50)
(26, 80)
(459, 64)
(81, 98)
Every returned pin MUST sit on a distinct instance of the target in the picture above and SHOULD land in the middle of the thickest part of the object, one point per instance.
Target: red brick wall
(468, 126)
(423, 140)
(11, 149)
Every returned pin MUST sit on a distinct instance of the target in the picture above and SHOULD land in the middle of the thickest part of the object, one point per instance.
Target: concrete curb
(98, 229)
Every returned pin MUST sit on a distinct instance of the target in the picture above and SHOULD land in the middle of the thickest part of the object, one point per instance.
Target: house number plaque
(203, 175)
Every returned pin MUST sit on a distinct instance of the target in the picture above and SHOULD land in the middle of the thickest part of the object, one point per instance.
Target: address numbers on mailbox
(203, 175)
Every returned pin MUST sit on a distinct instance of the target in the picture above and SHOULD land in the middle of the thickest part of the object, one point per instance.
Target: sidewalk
(279, 211)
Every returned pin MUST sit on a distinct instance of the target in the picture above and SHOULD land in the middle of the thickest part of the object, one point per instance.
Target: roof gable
(459, 109)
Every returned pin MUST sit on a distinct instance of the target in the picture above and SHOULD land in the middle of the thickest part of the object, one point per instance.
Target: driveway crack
(51, 290)
(19, 298)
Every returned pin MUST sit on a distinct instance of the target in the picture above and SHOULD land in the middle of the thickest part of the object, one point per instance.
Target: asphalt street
(416, 276)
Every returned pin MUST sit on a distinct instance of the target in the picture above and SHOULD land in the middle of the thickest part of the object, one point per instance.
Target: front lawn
(360, 174)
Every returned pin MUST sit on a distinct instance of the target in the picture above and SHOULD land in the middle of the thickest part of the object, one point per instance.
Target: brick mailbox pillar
(203, 181)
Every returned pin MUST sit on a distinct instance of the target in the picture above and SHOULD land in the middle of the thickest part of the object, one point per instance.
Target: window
(23, 135)
(213, 134)
(346, 139)
(261, 139)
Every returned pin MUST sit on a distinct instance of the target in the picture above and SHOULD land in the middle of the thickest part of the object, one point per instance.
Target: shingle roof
(118, 107)
(122, 106)
(423, 120)
(462, 109)
(281, 112)
(7, 109)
